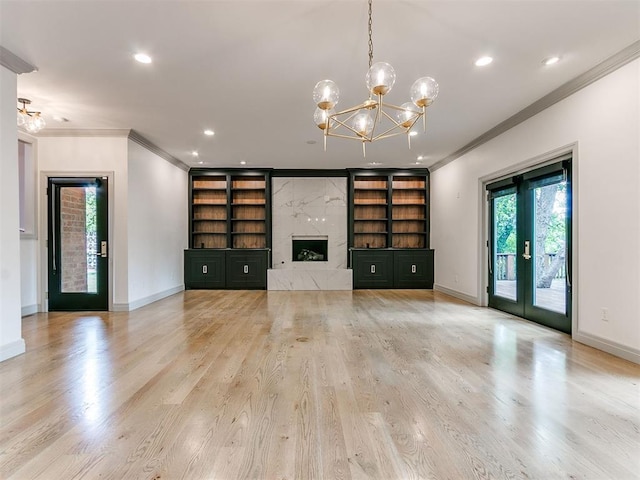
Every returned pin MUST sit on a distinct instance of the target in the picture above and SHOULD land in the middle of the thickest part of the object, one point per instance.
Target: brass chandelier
(31, 121)
(373, 119)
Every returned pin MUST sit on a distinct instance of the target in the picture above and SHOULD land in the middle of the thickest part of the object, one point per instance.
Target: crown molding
(83, 132)
(113, 132)
(611, 64)
(14, 63)
(152, 147)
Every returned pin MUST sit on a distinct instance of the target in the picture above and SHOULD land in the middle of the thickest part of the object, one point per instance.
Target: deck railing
(506, 266)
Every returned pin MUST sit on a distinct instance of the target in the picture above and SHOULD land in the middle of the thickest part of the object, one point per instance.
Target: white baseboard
(127, 307)
(614, 348)
(12, 349)
(29, 310)
(457, 294)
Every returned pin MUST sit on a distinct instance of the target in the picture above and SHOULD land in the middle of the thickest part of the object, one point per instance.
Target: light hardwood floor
(300, 385)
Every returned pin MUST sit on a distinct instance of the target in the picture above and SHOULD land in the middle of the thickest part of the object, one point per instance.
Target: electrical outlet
(604, 314)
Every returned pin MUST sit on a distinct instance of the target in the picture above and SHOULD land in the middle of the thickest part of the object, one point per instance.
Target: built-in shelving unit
(389, 228)
(209, 211)
(409, 212)
(248, 212)
(229, 210)
(370, 211)
(390, 210)
(229, 227)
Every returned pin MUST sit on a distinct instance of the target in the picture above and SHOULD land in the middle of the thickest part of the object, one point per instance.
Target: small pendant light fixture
(31, 121)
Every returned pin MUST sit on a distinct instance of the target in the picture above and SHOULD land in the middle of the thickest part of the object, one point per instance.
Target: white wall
(157, 227)
(603, 121)
(11, 342)
(86, 155)
(29, 276)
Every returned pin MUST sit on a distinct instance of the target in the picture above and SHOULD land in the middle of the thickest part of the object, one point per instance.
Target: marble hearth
(309, 207)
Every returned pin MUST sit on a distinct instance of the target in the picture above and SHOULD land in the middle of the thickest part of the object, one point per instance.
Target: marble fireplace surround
(309, 206)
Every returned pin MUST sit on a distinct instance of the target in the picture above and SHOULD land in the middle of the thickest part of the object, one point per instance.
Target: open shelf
(390, 209)
(229, 209)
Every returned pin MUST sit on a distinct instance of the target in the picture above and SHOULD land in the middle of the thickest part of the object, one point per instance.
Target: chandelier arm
(413, 120)
(393, 120)
(349, 137)
(396, 107)
(377, 117)
(387, 135)
(343, 123)
(349, 110)
(396, 126)
(350, 128)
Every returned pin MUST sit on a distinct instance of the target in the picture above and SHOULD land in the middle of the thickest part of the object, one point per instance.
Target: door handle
(373, 269)
(413, 269)
(527, 250)
(245, 269)
(103, 249)
(205, 269)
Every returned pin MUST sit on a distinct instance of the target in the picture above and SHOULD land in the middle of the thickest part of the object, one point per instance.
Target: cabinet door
(372, 269)
(247, 269)
(413, 269)
(204, 269)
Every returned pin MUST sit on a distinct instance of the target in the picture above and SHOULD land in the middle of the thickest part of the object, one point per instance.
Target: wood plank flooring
(393, 384)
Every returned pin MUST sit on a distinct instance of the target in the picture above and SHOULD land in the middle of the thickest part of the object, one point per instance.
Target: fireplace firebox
(309, 249)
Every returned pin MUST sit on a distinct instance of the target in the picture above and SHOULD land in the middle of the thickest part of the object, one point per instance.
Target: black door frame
(102, 302)
(522, 185)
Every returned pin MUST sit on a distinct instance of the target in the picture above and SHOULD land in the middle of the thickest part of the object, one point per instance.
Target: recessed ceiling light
(142, 58)
(551, 60)
(194, 153)
(420, 157)
(243, 162)
(375, 163)
(483, 61)
(200, 163)
(209, 133)
(413, 133)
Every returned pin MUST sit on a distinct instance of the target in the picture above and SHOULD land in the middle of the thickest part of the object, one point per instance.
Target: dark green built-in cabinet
(229, 229)
(389, 228)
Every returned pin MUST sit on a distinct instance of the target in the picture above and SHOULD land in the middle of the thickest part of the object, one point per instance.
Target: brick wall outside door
(73, 239)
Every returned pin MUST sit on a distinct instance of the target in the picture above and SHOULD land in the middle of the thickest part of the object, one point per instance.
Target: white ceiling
(247, 68)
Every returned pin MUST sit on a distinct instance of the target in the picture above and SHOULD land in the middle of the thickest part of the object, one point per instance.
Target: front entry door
(77, 244)
(530, 245)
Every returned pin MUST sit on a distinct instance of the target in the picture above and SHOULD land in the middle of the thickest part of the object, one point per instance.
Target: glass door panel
(504, 238)
(77, 268)
(550, 233)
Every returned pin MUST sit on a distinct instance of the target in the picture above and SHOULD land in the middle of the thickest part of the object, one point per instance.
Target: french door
(530, 245)
(77, 244)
